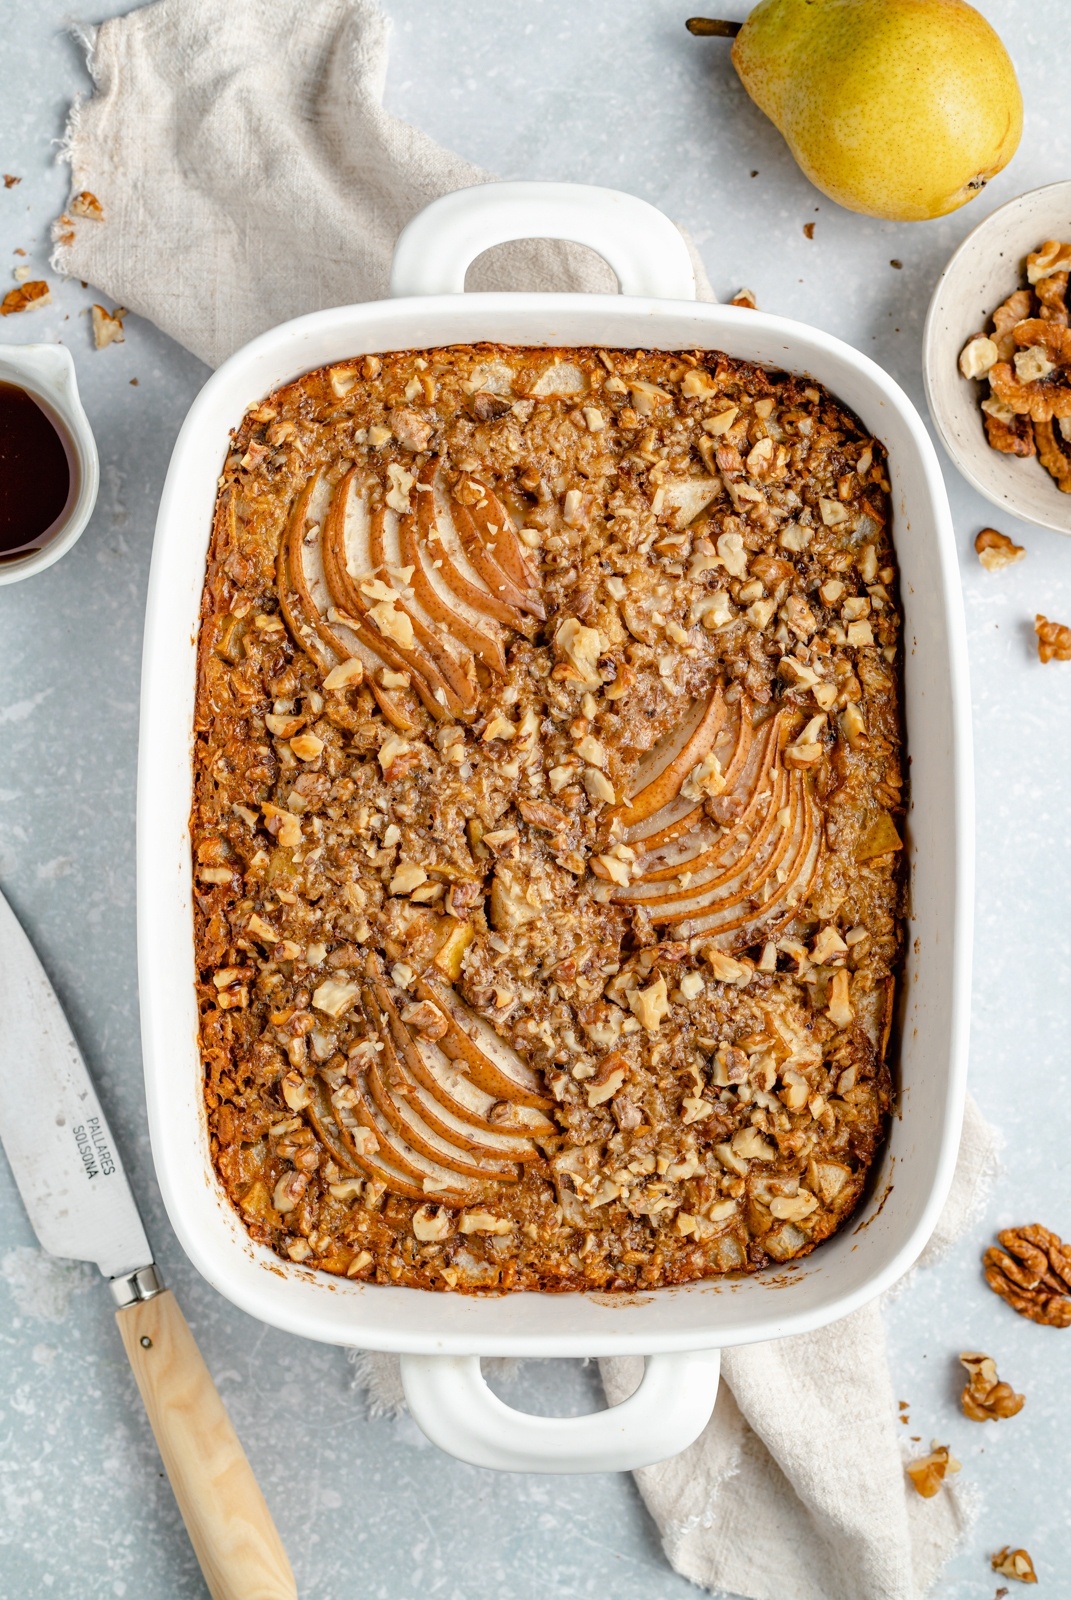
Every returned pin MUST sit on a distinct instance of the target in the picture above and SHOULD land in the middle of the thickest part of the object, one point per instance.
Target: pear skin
(901, 109)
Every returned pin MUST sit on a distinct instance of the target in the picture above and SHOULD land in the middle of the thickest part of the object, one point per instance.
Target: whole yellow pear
(897, 108)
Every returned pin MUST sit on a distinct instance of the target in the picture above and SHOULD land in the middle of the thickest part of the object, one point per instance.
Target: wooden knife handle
(229, 1525)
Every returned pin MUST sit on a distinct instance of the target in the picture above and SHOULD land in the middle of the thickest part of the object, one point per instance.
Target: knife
(80, 1204)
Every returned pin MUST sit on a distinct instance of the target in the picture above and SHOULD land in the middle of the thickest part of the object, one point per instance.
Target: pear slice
(735, 859)
(464, 1099)
(749, 926)
(447, 556)
(707, 842)
(730, 885)
(306, 625)
(412, 1163)
(473, 628)
(488, 568)
(339, 532)
(335, 1129)
(441, 1107)
(500, 540)
(490, 1062)
(667, 764)
(678, 816)
(385, 550)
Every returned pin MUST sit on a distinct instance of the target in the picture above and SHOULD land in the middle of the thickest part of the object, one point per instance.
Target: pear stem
(710, 28)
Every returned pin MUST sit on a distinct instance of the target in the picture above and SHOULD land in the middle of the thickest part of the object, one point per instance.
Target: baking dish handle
(648, 254)
(449, 1398)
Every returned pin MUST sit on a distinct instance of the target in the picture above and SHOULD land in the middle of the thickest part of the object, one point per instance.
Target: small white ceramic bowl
(46, 371)
(988, 265)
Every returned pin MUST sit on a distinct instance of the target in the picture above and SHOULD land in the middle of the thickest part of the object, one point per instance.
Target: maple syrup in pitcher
(35, 473)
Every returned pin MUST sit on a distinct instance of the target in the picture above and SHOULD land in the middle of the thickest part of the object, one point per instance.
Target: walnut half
(1033, 1274)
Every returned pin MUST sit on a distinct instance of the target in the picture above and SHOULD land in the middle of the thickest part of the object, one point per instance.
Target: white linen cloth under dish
(248, 173)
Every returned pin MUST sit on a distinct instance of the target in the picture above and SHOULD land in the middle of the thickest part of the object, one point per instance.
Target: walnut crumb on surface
(108, 326)
(87, 205)
(1014, 1564)
(985, 1398)
(26, 297)
(928, 1472)
(995, 550)
(1054, 639)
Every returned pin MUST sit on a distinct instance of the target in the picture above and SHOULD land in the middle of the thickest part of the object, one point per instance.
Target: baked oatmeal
(547, 817)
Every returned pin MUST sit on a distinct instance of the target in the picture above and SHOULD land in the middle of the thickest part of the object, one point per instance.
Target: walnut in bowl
(986, 283)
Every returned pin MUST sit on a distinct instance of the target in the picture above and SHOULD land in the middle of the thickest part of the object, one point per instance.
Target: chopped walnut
(108, 326)
(86, 205)
(651, 1005)
(1054, 639)
(1025, 362)
(996, 550)
(927, 1473)
(985, 1398)
(25, 297)
(1014, 1564)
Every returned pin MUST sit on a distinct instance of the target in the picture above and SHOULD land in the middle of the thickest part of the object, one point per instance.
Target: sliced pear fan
(667, 764)
(425, 592)
(458, 612)
(679, 817)
(488, 1060)
(421, 1118)
(499, 538)
(737, 883)
(760, 788)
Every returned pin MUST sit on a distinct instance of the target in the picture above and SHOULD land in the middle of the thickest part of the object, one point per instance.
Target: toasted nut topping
(651, 1005)
(333, 997)
(749, 1145)
(348, 674)
(296, 1091)
(289, 1191)
(484, 1222)
(407, 877)
(432, 1223)
(840, 1011)
(307, 746)
(727, 969)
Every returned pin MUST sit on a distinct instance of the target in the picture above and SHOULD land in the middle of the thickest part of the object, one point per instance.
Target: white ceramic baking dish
(680, 1330)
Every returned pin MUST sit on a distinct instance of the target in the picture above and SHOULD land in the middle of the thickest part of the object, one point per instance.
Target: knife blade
(56, 1136)
(80, 1204)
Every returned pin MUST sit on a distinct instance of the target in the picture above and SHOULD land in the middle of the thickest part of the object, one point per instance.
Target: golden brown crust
(547, 788)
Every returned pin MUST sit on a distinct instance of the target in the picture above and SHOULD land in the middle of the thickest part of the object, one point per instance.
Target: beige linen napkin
(248, 173)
